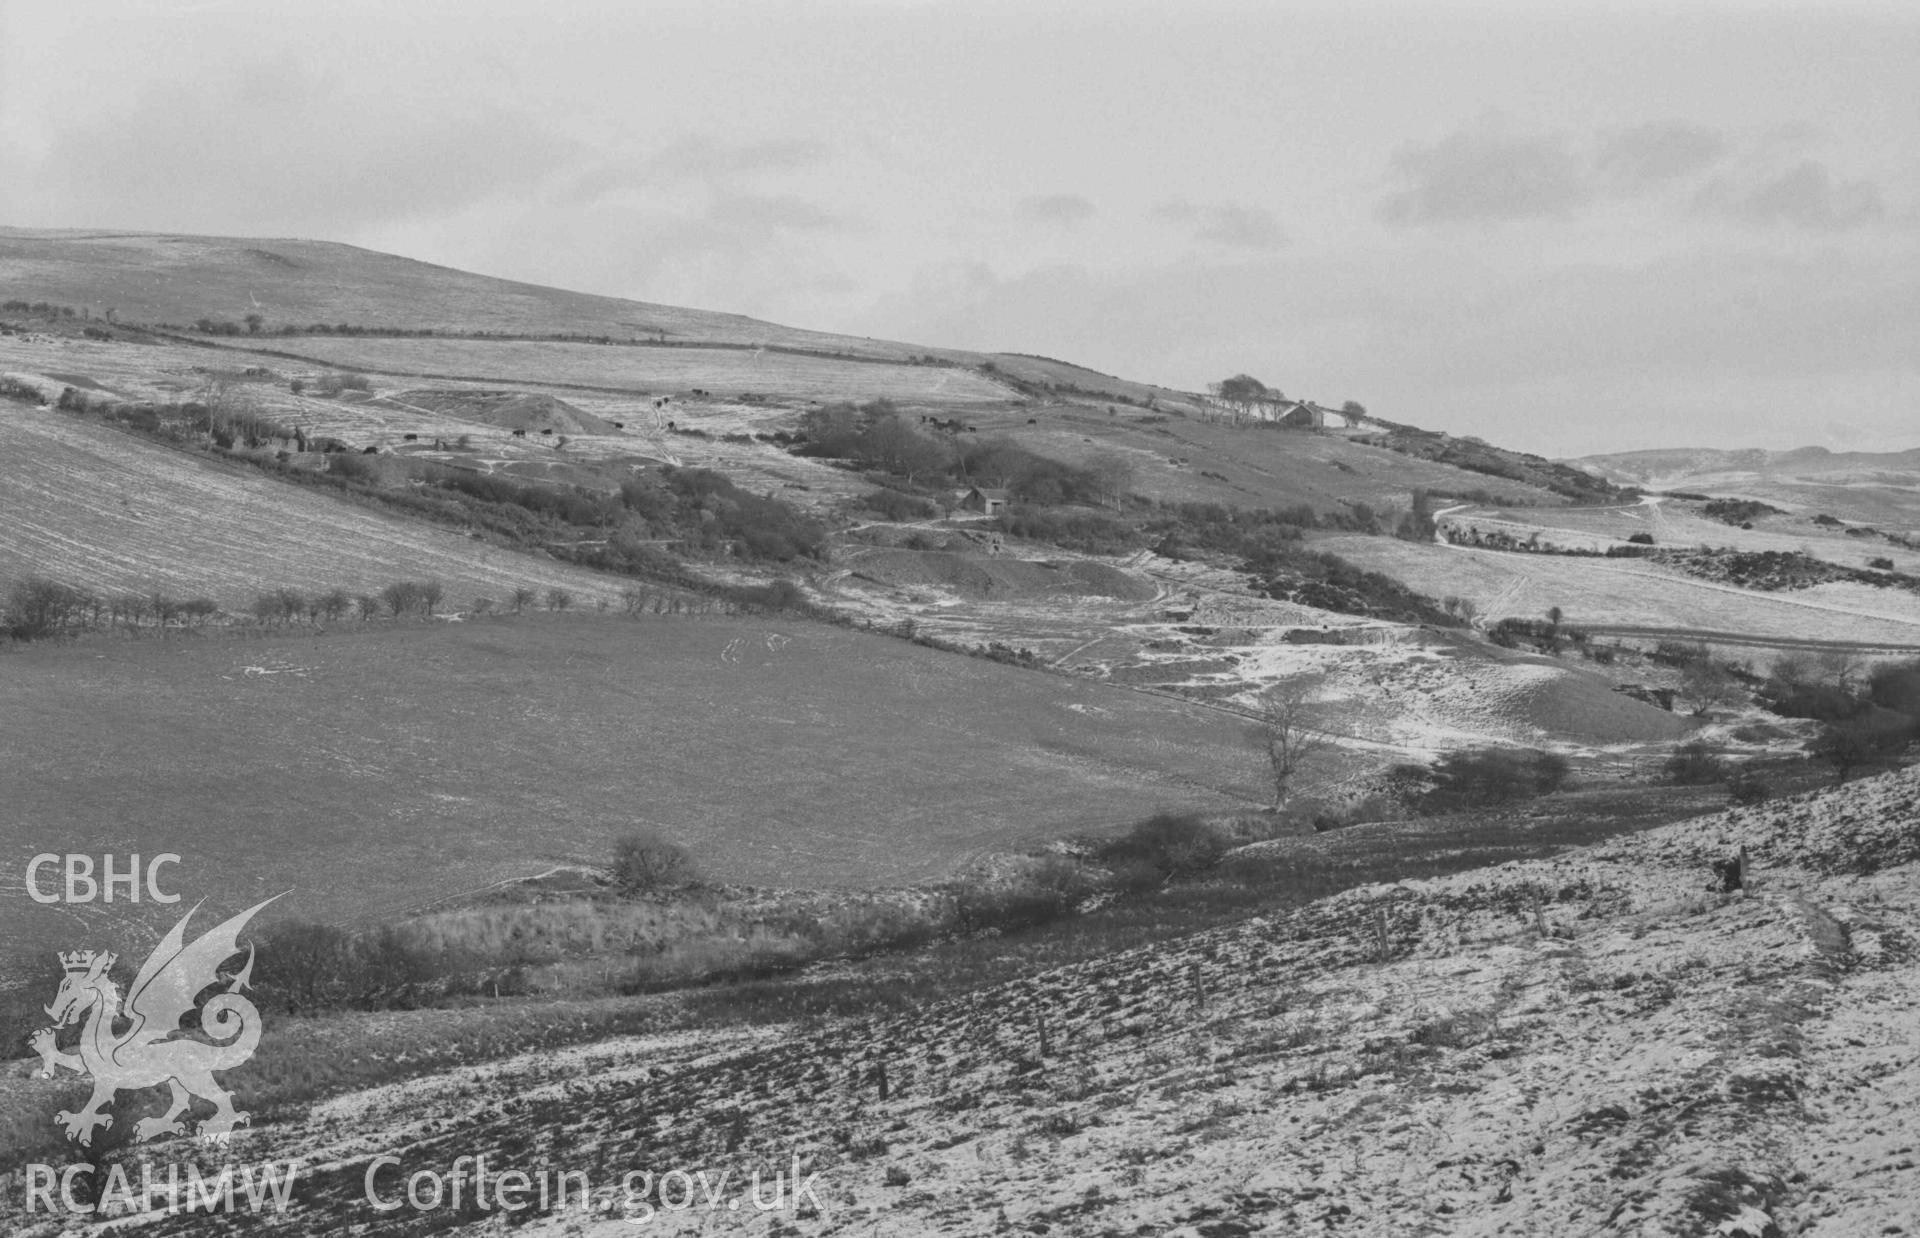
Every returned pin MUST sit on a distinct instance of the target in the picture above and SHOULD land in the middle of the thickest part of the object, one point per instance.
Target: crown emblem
(78, 960)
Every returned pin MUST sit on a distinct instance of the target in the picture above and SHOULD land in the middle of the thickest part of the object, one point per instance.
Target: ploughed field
(371, 771)
(92, 507)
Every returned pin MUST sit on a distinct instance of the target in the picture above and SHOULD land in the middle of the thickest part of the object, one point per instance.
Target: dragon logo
(148, 1052)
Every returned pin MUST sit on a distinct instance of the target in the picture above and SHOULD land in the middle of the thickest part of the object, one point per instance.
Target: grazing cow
(519, 434)
(546, 431)
(671, 426)
(369, 451)
(973, 429)
(619, 425)
(411, 438)
(1032, 422)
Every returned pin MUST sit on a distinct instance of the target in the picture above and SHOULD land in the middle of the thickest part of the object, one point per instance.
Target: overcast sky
(1601, 228)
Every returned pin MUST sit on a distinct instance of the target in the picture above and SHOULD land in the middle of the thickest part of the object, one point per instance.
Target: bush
(645, 861)
(1641, 539)
(1484, 777)
(1045, 889)
(897, 506)
(1747, 787)
(1173, 844)
(1695, 764)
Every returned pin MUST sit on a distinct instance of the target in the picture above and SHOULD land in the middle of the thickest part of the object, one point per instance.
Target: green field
(379, 771)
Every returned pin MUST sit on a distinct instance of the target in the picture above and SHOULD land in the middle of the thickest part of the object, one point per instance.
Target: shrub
(400, 596)
(1173, 844)
(1746, 786)
(1694, 763)
(1641, 539)
(1045, 889)
(1484, 777)
(38, 607)
(897, 506)
(644, 861)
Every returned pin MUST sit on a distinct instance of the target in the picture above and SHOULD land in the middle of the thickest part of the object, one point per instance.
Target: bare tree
(1291, 732)
(644, 861)
(1112, 476)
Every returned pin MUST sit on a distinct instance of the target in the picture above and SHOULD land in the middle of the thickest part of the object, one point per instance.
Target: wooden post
(1539, 916)
(1380, 932)
(1742, 870)
(1040, 1026)
(1199, 990)
(880, 1077)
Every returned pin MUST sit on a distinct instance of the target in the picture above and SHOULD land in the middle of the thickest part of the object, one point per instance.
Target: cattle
(973, 429)
(671, 426)
(1032, 421)
(546, 431)
(519, 434)
(369, 451)
(411, 438)
(619, 425)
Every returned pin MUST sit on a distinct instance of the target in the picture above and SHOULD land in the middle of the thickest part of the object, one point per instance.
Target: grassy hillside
(373, 770)
(1876, 488)
(1598, 593)
(648, 370)
(155, 278)
(95, 508)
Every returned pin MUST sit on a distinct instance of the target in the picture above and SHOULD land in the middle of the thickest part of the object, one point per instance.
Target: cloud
(1487, 173)
(1238, 227)
(747, 215)
(1649, 155)
(279, 148)
(1804, 196)
(704, 158)
(1243, 227)
(1064, 210)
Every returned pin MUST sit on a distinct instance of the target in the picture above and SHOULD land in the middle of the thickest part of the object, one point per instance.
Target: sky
(1568, 228)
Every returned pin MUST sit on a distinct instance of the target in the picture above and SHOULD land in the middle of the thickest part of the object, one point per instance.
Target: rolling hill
(1880, 488)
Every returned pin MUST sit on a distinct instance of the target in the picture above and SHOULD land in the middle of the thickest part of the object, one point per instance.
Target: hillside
(1602, 1042)
(373, 767)
(1880, 488)
(157, 278)
(103, 510)
(735, 363)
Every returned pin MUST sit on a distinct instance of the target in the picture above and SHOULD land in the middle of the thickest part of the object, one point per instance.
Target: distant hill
(1863, 486)
(294, 305)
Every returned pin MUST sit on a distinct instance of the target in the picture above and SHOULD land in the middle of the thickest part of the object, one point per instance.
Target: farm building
(986, 501)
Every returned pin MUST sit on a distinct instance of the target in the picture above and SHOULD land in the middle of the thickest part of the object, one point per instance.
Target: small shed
(986, 501)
